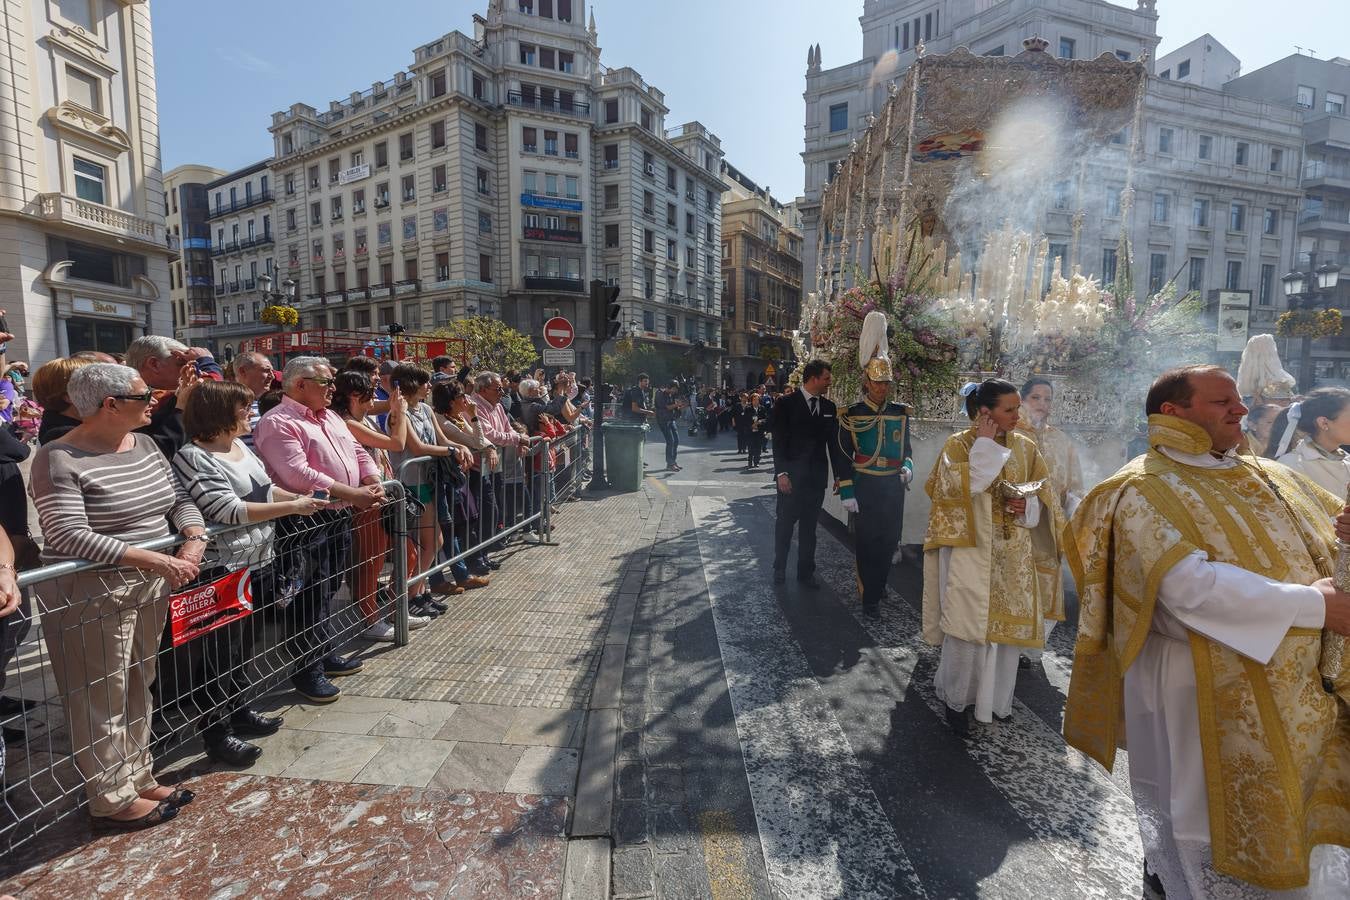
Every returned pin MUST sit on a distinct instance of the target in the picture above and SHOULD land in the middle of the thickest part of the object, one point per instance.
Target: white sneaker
(380, 631)
(416, 622)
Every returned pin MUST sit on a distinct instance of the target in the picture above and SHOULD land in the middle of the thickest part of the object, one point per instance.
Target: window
(485, 268)
(1165, 75)
(672, 180)
(838, 117)
(482, 179)
(550, 184)
(1164, 140)
(1206, 150)
(1183, 68)
(1124, 55)
(996, 51)
(84, 89)
(358, 201)
(437, 83)
(78, 12)
(645, 118)
(381, 154)
(527, 54)
(648, 202)
(648, 165)
(1276, 159)
(1304, 97)
(382, 194)
(477, 87)
(1266, 289)
(1066, 46)
(689, 223)
(442, 266)
(438, 182)
(648, 241)
(1061, 195)
(1237, 217)
(1162, 207)
(1157, 271)
(565, 61)
(1240, 154)
(1196, 281)
(648, 320)
(316, 213)
(484, 223)
(290, 183)
(708, 233)
(1200, 212)
(670, 215)
(529, 139)
(689, 258)
(91, 181)
(1108, 266)
(547, 58)
(670, 325)
(550, 143)
(1270, 221)
(1113, 201)
(1234, 280)
(290, 220)
(611, 156)
(904, 37)
(611, 196)
(437, 135)
(405, 147)
(570, 146)
(672, 250)
(336, 208)
(531, 182)
(1334, 103)
(611, 111)
(313, 179)
(648, 282)
(611, 236)
(408, 185)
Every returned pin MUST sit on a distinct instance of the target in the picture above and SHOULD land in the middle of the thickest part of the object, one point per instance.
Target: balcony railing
(410, 286)
(247, 243)
(70, 210)
(224, 209)
(554, 235)
(557, 283)
(574, 109)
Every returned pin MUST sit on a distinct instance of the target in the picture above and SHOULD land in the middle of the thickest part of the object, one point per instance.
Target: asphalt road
(777, 743)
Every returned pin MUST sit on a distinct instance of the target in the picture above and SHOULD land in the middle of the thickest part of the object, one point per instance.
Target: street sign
(558, 333)
(770, 371)
(560, 357)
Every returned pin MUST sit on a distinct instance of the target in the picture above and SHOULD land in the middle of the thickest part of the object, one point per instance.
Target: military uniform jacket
(876, 441)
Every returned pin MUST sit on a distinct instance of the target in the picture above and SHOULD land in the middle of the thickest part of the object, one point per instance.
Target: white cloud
(242, 59)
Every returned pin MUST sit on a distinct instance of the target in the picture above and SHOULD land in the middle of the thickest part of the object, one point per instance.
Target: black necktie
(815, 409)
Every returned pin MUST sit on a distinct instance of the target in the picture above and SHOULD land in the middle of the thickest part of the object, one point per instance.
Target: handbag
(414, 506)
(450, 472)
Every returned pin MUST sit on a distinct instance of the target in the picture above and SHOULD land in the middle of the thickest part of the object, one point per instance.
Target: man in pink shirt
(307, 448)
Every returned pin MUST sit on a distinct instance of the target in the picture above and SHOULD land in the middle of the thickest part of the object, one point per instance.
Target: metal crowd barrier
(311, 590)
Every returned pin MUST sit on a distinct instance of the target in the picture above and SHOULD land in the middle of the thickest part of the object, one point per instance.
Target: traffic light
(606, 311)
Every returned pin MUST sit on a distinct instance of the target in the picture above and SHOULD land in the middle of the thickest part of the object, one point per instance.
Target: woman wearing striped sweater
(98, 491)
(230, 487)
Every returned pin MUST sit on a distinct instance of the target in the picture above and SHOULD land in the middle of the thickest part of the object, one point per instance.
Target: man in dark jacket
(805, 444)
(165, 365)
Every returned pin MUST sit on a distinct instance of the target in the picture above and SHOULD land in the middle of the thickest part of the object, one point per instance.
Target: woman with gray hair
(98, 491)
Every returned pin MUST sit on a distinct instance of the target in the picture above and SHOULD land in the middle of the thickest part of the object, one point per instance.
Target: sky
(737, 66)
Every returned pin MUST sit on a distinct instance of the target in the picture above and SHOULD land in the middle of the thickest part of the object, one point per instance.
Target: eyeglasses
(322, 382)
(143, 398)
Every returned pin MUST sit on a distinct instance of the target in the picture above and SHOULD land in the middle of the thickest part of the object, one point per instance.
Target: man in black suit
(805, 434)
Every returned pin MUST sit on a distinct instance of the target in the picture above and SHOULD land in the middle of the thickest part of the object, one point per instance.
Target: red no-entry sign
(558, 333)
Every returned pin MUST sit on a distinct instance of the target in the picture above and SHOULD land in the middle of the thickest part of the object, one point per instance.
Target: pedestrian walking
(759, 417)
(805, 441)
(667, 405)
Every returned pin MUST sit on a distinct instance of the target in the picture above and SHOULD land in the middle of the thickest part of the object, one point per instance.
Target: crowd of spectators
(294, 470)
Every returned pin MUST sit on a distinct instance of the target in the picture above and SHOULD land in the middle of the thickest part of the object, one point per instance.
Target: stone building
(761, 281)
(498, 175)
(190, 277)
(84, 256)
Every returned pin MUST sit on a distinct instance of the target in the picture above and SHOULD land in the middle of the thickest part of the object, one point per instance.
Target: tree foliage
(492, 344)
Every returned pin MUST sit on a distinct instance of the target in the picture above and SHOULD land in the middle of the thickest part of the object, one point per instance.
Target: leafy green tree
(494, 344)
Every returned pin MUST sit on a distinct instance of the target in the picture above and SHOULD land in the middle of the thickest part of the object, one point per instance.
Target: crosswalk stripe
(821, 825)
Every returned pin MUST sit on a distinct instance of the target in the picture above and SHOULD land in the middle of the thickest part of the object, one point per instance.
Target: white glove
(906, 475)
(851, 504)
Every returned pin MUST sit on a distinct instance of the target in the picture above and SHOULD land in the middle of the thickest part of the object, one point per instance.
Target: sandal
(163, 812)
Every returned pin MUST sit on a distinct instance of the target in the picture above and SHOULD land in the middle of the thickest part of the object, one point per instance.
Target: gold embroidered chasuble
(1276, 748)
(994, 592)
(1061, 461)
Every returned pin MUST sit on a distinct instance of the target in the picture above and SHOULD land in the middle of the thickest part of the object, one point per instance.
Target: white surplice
(1250, 614)
(982, 675)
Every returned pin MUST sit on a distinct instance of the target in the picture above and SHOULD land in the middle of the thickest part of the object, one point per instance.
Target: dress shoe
(10, 706)
(163, 812)
(958, 720)
(335, 666)
(251, 723)
(316, 688)
(873, 612)
(475, 581)
(808, 581)
(493, 565)
(1007, 718)
(1023, 662)
(231, 751)
(779, 577)
(14, 735)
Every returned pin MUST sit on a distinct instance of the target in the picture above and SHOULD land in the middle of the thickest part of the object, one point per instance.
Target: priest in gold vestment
(983, 600)
(1202, 610)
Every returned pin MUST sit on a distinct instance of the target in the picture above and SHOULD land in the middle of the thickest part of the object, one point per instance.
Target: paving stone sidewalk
(465, 742)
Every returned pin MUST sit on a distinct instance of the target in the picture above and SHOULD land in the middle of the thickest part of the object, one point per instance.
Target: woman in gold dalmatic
(994, 524)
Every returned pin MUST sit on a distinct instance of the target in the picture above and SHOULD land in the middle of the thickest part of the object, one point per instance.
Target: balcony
(555, 283)
(234, 287)
(1319, 175)
(68, 210)
(245, 244)
(611, 164)
(220, 290)
(410, 286)
(225, 209)
(575, 110)
(552, 235)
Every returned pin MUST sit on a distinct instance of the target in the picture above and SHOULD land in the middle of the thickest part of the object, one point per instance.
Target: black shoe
(872, 611)
(419, 607)
(493, 565)
(779, 577)
(959, 721)
(10, 706)
(163, 812)
(231, 751)
(251, 723)
(428, 600)
(1007, 718)
(14, 735)
(335, 666)
(316, 688)
(1153, 886)
(808, 581)
(1023, 662)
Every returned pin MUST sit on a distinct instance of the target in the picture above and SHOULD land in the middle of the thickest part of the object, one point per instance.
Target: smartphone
(321, 495)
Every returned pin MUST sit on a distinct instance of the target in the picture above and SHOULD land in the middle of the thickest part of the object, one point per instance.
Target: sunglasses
(322, 382)
(143, 398)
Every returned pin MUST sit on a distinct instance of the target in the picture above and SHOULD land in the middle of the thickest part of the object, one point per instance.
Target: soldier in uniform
(874, 435)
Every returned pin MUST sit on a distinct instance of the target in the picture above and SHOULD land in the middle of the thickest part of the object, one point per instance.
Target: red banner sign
(207, 607)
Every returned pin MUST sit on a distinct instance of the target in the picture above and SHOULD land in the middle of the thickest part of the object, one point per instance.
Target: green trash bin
(623, 454)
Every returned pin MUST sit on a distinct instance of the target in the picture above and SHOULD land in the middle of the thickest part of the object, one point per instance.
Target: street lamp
(288, 290)
(1305, 290)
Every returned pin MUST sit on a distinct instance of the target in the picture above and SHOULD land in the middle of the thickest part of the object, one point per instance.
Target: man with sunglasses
(169, 367)
(307, 448)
